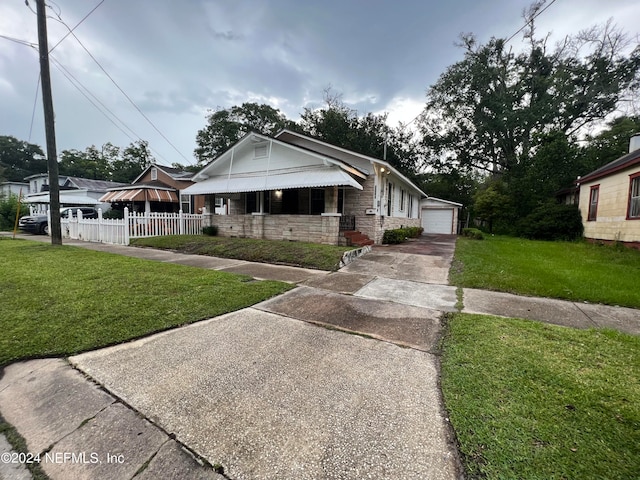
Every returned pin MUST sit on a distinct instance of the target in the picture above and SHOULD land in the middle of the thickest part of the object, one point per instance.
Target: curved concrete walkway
(264, 392)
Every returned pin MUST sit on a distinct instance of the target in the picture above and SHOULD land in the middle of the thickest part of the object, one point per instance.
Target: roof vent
(634, 143)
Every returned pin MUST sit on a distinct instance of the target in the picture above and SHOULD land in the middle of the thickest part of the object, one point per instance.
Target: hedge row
(400, 235)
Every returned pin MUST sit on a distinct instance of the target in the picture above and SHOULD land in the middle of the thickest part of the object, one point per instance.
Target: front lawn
(577, 271)
(534, 401)
(63, 300)
(299, 254)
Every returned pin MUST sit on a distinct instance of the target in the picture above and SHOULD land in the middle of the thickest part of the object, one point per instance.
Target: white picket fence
(133, 225)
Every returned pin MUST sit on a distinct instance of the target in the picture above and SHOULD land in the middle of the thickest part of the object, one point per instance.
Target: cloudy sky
(177, 59)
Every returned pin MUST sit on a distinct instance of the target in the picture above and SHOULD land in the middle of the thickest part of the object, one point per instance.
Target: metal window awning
(263, 181)
(140, 195)
(66, 198)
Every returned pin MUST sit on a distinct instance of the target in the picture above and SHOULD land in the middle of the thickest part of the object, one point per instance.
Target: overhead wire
(125, 94)
(87, 93)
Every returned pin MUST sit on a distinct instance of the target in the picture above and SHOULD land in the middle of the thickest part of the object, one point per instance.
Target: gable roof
(317, 171)
(174, 173)
(629, 160)
(355, 159)
(345, 164)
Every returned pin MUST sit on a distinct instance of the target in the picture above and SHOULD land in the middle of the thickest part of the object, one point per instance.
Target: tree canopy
(333, 123)
(225, 126)
(519, 117)
(491, 110)
(20, 159)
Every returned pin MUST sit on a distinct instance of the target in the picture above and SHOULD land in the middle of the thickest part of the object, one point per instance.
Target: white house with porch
(296, 187)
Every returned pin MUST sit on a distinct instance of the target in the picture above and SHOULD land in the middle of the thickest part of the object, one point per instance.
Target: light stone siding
(302, 228)
(356, 203)
(611, 219)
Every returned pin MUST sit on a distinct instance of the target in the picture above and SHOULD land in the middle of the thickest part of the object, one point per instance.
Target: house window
(410, 209)
(389, 198)
(634, 197)
(260, 151)
(593, 202)
(154, 173)
(316, 199)
(402, 199)
(186, 203)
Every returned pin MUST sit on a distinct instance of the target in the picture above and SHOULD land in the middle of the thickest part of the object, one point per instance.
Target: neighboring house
(440, 216)
(295, 187)
(13, 188)
(73, 191)
(610, 199)
(156, 189)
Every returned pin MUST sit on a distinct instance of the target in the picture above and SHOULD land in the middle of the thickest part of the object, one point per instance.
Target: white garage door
(437, 220)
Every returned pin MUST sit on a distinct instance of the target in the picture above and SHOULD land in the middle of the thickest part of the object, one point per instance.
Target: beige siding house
(294, 187)
(610, 199)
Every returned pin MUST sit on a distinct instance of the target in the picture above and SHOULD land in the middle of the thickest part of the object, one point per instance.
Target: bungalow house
(295, 187)
(610, 199)
(156, 189)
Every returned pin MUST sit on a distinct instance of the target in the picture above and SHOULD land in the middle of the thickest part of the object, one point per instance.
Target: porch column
(331, 199)
(147, 206)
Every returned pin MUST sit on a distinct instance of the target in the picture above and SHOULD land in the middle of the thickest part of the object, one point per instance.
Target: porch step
(357, 238)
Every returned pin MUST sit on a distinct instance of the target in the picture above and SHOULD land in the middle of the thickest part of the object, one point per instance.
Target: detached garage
(440, 216)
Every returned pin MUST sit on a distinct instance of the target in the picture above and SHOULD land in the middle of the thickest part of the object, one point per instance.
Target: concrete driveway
(285, 389)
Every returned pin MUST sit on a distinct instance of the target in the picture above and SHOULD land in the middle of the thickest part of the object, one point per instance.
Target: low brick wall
(302, 228)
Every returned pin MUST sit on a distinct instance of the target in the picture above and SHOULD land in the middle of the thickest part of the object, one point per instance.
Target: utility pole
(47, 100)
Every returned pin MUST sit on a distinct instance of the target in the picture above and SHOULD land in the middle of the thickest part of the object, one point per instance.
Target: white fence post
(126, 236)
(181, 228)
(100, 226)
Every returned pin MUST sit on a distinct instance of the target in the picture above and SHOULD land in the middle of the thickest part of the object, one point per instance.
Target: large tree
(491, 110)
(19, 159)
(227, 126)
(609, 144)
(340, 125)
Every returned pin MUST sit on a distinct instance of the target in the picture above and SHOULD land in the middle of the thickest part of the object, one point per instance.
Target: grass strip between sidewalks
(577, 271)
(534, 401)
(63, 300)
(299, 254)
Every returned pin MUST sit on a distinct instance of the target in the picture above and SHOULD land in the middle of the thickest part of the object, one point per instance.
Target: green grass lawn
(300, 254)
(63, 300)
(534, 401)
(577, 271)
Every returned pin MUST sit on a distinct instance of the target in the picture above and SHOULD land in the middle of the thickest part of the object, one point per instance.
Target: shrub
(113, 214)
(211, 230)
(399, 235)
(8, 209)
(391, 237)
(472, 233)
(552, 221)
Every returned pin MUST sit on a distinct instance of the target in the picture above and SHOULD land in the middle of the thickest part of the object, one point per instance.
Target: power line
(77, 25)
(19, 41)
(127, 96)
(33, 112)
(87, 94)
(530, 21)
